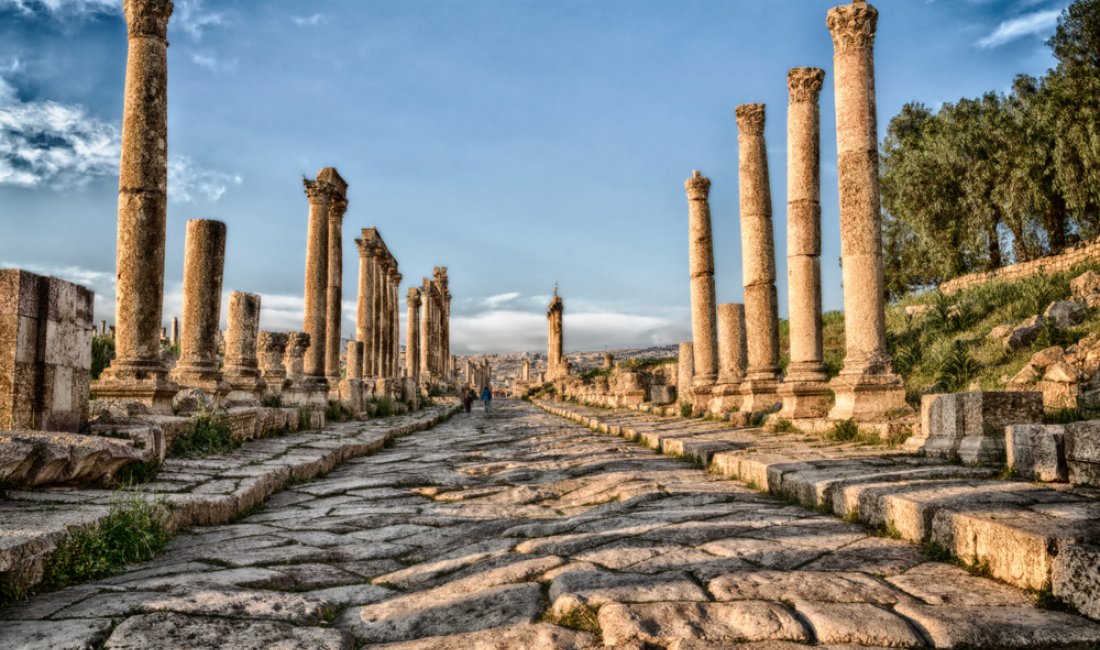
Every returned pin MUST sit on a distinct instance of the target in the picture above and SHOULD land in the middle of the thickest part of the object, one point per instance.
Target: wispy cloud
(63, 7)
(308, 21)
(187, 182)
(193, 17)
(1034, 23)
(211, 61)
(500, 299)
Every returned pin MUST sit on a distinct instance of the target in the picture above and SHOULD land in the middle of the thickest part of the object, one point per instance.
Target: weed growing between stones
(686, 410)
(272, 401)
(383, 408)
(843, 431)
(933, 551)
(585, 618)
(209, 435)
(337, 412)
(103, 350)
(134, 530)
(134, 474)
(1045, 599)
(786, 426)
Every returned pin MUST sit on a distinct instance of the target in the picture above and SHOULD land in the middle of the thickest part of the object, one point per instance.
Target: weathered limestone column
(203, 264)
(685, 374)
(805, 390)
(363, 322)
(334, 300)
(608, 361)
(526, 376)
(554, 317)
(426, 329)
(758, 263)
(316, 293)
(412, 335)
(867, 387)
(137, 373)
(242, 367)
(378, 340)
(272, 350)
(175, 330)
(701, 261)
(396, 325)
(732, 355)
(297, 345)
(355, 360)
(387, 323)
(351, 388)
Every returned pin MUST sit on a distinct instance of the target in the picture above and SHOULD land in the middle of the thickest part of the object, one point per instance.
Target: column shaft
(204, 261)
(316, 283)
(701, 262)
(335, 294)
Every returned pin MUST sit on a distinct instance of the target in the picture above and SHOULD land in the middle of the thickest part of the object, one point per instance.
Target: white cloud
(66, 7)
(503, 330)
(308, 21)
(500, 299)
(1035, 23)
(187, 182)
(193, 17)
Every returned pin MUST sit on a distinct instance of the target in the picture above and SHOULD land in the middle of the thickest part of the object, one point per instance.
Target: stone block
(971, 426)
(1083, 452)
(1076, 578)
(662, 395)
(1025, 333)
(1066, 313)
(1037, 451)
(45, 352)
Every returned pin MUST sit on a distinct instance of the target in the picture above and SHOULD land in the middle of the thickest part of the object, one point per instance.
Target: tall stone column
(335, 296)
(701, 261)
(272, 351)
(685, 374)
(446, 317)
(732, 355)
(320, 195)
(526, 376)
(203, 264)
(554, 344)
(242, 367)
(137, 373)
(364, 329)
(396, 325)
(377, 360)
(412, 335)
(758, 263)
(867, 387)
(425, 328)
(175, 331)
(387, 323)
(805, 390)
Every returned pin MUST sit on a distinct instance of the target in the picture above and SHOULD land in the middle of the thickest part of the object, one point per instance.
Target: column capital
(147, 17)
(853, 26)
(318, 190)
(805, 84)
(397, 276)
(698, 186)
(414, 297)
(751, 118)
(272, 341)
(337, 207)
(298, 341)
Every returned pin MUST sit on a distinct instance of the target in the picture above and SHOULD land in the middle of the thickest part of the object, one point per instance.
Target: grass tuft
(208, 435)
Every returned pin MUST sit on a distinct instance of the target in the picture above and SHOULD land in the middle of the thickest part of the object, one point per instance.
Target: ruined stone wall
(1051, 264)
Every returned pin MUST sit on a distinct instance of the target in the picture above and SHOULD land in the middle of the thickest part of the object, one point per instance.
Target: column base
(208, 379)
(807, 373)
(701, 395)
(726, 397)
(308, 392)
(147, 384)
(805, 399)
(865, 397)
(759, 395)
(246, 388)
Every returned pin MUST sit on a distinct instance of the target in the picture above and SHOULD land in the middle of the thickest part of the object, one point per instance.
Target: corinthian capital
(698, 186)
(336, 208)
(414, 297)
(147, 17)
(318, 190)
(751, 118)
(853, 26)
(805, 84)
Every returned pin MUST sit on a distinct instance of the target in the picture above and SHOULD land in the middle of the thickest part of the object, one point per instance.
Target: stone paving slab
(553, 537)
(1037, 537)
(206, 491)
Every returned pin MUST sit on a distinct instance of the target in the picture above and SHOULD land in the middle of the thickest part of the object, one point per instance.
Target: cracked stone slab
(665, 623)
(85, 634)
(532, 636)
(942, 584)
(181, 632)
(859, 623)
(823, 586)
(571, 590)
(293, 608)
(1001, 627)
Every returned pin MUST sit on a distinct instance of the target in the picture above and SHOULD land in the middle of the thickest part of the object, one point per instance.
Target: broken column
(867, 387)
(296, 347)
(526, 376)
(335, 296)
(412, 335)
(351, 388)
(46, 332)
(272, 350)
(175, 331)
(137, 373)
(805, 389)
(320, 194)
(242, 367)
(608, 361)
(701, 261)
(554, 345)
(199, 367)
(758, 390)
(732, 355)
(685, 371)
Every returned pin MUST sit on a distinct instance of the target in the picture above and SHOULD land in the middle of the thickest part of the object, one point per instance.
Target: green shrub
(272, 401)
(208, 435)
(337, 412)
(957, 368)
(786, 426)
(844, 431)
(435, 391)
(383, 408)
(686, 410)
(103, 351)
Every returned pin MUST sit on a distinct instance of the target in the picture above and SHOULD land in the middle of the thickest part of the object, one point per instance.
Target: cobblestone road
(521, 530)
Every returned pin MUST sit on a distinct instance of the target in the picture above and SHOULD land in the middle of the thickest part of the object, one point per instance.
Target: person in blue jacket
(486, 397)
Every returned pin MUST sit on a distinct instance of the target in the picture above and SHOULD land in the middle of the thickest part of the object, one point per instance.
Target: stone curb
(32, 524)
(960, 510)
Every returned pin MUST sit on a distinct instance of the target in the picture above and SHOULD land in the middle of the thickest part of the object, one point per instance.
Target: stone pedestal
(867, 388)
(971, 426)
(761, 382)
(45, 353)
(351, 387)
(242, 367)
(685, 374)
(137, 373)
(272, 351)
(204, 258)
(701, 263)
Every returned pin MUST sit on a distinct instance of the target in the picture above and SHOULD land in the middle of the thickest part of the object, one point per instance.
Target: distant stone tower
(554, 347)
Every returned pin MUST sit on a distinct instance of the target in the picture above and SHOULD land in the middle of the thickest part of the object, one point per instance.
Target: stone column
(608, 361)
(378, 355)
(685, 374)
(204, 260)
(805, 390)
(387, 323)
(701, 261)
(272, 349)
(412, 335)
(103, 327)
(137, 373)
(732, 356)
(296, 348)
(363, 329)
(396, 364)
(526, 370)
(242, 368)
(316, 292)
(335, 297)
(758, 263)
(554, 345)
(175, 331)
(867, 387)
(426, 329)
(355, 360)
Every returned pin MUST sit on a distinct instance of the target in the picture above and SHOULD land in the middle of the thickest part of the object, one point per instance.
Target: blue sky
(518, 142)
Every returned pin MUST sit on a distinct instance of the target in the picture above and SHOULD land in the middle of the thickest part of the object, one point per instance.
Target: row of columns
(435, 337)
(377, 309)
(735, 349)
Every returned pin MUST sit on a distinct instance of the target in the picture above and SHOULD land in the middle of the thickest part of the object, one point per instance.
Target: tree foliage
(998, 179)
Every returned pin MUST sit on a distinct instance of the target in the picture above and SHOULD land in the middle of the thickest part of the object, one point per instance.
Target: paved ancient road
(487, 530)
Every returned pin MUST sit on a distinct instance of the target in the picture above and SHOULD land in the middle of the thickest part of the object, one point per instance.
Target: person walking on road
(486, 397)
(468, 399)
